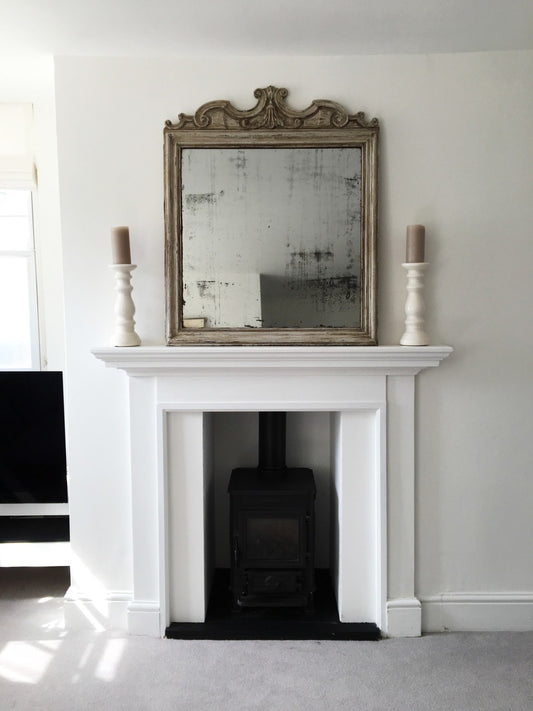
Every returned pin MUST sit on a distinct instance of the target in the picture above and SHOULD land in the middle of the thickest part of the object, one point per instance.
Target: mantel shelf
(165, 360)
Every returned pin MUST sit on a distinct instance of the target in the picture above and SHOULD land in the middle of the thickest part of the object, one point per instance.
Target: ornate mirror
(270, 218)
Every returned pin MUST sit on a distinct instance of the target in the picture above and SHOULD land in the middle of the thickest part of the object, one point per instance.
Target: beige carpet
(44, 667)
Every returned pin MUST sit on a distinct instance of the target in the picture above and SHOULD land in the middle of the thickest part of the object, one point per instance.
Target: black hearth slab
(357, 631)
(321, 623)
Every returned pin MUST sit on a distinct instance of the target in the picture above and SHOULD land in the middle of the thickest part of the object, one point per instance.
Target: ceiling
(261, 27)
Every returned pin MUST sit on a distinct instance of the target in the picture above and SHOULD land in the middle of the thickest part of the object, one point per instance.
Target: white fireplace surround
(370, 395)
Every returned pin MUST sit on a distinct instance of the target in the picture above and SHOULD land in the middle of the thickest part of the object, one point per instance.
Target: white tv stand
(34, 554)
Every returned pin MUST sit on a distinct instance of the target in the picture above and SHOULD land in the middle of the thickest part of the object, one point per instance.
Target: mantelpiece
(370, 395)
(161, 360)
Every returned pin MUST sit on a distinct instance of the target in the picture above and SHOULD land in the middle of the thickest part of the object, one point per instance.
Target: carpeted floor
(44, 667)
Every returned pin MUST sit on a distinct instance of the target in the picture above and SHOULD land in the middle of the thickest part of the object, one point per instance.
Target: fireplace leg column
(404, 614)
(190, 490)
(144, 608)
(358, 514)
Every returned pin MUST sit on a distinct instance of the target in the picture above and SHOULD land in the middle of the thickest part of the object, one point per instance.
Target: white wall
(455, 155)
(32, 81)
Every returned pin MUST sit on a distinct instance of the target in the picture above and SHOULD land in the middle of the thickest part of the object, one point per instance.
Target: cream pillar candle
(120, 245)
(415, 243)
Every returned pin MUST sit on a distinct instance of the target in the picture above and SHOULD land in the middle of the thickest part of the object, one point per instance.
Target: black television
(32, 438)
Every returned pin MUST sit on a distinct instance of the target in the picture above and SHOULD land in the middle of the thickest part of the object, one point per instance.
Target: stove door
(272, 539)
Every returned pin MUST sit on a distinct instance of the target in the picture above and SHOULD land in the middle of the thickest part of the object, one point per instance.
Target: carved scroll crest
(271, 112)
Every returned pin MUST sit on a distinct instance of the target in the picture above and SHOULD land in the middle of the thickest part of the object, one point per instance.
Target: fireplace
(369, 393)
(272, 526)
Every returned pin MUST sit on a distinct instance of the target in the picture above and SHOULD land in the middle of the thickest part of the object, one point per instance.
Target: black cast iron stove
(272, 522)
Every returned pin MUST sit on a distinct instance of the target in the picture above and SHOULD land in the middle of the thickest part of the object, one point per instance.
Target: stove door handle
(236, 551)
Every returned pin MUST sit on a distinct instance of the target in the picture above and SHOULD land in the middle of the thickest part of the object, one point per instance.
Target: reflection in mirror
(271, 237)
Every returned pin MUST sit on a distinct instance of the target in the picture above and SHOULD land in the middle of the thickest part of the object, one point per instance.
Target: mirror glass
(271, 237)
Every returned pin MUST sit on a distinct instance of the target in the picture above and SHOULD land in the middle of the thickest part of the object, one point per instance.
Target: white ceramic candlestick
(124, 334)
(415, 334)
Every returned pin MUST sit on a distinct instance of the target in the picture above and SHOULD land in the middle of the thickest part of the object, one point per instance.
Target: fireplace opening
(272, 526)
(289, 600)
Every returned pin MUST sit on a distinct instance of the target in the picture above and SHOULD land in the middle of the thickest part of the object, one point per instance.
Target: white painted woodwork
(404, 617)
(24, 554)
(35, 553)
(172, 392)
(478, 612)
(34, 509)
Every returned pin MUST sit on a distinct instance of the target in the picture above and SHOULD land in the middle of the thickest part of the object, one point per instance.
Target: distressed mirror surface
(271, 224)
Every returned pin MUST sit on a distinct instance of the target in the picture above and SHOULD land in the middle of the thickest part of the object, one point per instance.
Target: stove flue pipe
(272, 438)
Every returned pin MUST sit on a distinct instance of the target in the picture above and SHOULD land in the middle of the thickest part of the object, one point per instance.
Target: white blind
(16, 145)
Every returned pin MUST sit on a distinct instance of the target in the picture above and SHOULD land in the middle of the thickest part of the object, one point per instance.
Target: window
(19, 331)
(19, 335)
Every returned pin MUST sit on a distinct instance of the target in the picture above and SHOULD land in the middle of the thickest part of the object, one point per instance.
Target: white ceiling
(251, 27)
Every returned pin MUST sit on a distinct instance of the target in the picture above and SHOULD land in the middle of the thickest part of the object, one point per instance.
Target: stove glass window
(273, 538)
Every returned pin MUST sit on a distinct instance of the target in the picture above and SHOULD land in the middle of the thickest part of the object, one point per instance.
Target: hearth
(272, 526)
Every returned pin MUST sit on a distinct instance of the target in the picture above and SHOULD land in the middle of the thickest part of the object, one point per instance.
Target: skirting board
(105, 612)
(478, 612)
(404, 617)
(453, 612)
(144, 619)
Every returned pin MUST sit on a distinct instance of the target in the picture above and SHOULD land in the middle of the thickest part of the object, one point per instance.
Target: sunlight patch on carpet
(27, 662)
(110, 660)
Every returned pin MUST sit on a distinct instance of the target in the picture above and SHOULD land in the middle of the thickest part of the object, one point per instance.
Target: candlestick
(124, 334)
(120, 245)
(415, 243)
(415, 334)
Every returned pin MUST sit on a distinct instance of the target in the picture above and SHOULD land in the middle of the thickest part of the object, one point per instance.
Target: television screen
(32, 438)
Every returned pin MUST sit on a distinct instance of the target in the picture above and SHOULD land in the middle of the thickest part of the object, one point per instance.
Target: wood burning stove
(272, 526)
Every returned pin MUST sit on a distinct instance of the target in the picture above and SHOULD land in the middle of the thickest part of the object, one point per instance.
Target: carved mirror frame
(271, 123)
